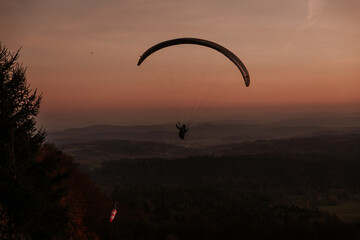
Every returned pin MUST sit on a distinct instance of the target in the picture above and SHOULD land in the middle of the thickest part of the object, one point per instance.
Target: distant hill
(107, 150)
(346, 145)
(100, 143)
(199, 134)
(99, 151)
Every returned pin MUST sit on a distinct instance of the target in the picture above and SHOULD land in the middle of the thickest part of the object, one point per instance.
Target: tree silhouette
(22, 197)
(19, 106)
(43, 193)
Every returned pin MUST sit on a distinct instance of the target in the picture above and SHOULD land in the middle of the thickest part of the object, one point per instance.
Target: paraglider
(182, 130)
(227, 53)
(113, 213)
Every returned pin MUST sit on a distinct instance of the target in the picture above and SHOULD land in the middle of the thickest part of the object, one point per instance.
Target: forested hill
(274, 190)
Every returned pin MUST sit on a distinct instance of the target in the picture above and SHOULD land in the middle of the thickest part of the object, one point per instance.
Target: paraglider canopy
(113, 213)
(231, 56)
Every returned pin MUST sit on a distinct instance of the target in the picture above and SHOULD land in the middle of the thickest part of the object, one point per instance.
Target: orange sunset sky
(302, 55)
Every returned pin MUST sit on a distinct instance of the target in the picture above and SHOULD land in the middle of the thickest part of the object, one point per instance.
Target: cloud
(315, 9)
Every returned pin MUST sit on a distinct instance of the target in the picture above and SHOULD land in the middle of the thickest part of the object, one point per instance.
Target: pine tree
(43, 194)
(20, 143)
(19, 105)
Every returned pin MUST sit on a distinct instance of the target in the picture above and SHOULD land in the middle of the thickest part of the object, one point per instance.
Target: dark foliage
(86, 208)
(43, 193)
(19, 105)
(252, 196)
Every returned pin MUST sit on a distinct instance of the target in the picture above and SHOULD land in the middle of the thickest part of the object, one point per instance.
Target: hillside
(233, 179)
(104, 148)
(254, 190)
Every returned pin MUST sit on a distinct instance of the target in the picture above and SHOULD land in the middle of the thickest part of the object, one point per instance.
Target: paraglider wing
(112, 216)
(201, 42)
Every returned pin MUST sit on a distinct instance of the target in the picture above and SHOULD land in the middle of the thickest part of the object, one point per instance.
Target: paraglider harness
(182, 129)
